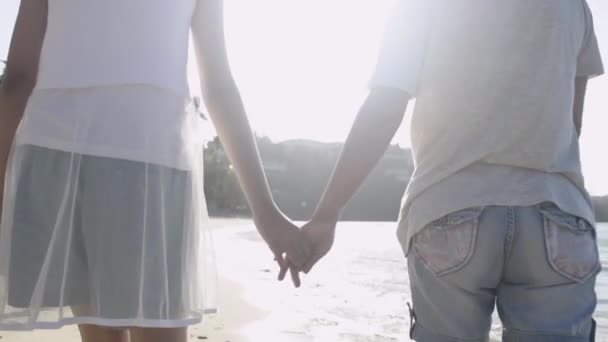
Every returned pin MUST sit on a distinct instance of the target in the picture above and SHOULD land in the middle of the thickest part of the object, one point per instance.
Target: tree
(222, 190)
(601, 208)
(298, 171)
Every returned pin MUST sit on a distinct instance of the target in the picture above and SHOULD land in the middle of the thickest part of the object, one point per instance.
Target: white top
(92, 43)
(494, 88)
(133, 122)
(113, 82)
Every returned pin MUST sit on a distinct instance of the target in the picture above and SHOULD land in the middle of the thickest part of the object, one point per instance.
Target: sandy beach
(357, 294)
(228, 325)
(237, 318)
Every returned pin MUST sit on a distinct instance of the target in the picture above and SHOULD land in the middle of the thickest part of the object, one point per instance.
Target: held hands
(291, 251)
(297, 250)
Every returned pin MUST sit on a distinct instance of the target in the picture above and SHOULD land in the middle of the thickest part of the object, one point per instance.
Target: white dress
(104, 219)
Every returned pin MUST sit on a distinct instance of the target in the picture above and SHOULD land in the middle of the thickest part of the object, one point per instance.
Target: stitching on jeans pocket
(447, 245)
(570, 244)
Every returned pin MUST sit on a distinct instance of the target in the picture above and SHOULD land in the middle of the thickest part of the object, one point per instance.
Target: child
(496, 213)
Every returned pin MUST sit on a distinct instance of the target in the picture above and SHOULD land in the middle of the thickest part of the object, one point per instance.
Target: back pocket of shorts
(571, 245)
(447, 245)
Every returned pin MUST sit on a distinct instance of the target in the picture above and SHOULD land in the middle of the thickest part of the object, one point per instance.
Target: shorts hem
(522, 336)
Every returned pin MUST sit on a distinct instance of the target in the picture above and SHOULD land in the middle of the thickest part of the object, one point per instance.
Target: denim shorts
(536, 264)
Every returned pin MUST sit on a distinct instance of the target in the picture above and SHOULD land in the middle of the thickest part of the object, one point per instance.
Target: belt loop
(593, 327)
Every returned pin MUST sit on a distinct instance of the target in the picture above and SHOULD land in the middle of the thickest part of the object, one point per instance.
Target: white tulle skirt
(88, 239)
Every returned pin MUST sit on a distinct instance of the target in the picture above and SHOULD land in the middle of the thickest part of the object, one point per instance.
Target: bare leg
(159, 335)
(94, 333)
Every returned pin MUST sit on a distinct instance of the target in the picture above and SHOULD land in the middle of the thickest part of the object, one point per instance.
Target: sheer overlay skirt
(97, 240)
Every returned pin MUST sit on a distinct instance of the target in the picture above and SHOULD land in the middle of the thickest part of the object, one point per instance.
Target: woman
(104, 221)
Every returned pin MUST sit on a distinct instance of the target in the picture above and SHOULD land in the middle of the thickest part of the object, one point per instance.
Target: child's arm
(20, 74)
(394, 82)
(228, 115)
(374, 128)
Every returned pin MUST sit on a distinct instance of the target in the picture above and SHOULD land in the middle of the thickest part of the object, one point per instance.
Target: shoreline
(358, 293)
(237, 320)
(231, 323)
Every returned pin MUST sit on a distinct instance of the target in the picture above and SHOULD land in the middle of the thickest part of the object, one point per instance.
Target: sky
(302, 68)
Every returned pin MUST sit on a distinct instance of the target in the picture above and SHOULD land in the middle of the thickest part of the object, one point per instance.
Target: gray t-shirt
(494, 88)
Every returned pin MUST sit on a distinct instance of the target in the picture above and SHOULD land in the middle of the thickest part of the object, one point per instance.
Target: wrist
(327, 215)
(265, 211)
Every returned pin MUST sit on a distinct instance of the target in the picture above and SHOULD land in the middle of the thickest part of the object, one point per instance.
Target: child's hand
(289, 246)
(318, 237)
(320, 234)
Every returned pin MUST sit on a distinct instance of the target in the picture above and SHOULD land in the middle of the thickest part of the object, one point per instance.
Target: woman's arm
(21, 72)
(228, 115)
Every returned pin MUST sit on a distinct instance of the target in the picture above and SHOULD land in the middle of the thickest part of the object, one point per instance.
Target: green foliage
(297, 172)
(601, 208)
(222, 190)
